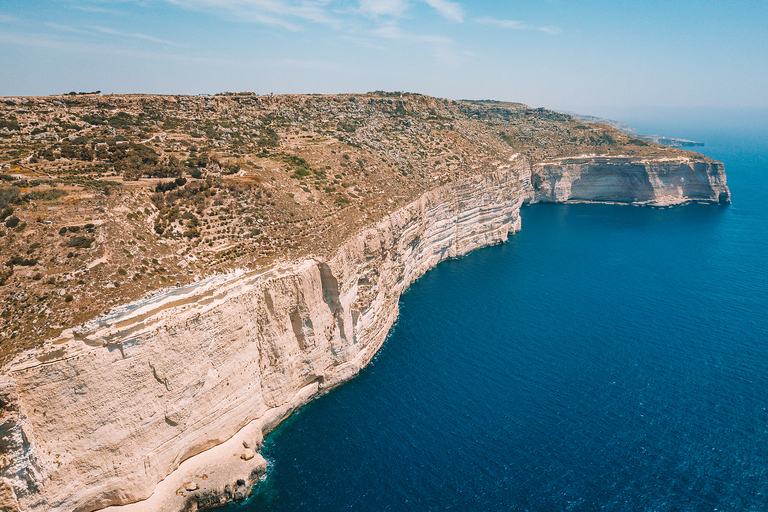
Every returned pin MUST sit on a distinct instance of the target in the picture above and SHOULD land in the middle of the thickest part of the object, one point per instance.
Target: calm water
(606, 358)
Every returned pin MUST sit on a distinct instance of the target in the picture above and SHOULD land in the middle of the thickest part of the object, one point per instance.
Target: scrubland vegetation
(104, 199)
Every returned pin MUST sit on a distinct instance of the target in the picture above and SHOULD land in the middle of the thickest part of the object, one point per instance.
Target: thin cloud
(6, 18)
(271, 12)
(322, 65)
(506, 24)
(390, 32)
(135, 35)
(398, 8)
(393, 32)
(45, 41)
(551, 30)
(63, 28)
(443, 48)
(377, 8)
(517, 25)
(449, 10)
(92, 8)
(447, 55)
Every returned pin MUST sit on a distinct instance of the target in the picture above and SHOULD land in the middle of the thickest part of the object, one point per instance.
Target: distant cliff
(659, 182)
(161, 404)
(628, 130)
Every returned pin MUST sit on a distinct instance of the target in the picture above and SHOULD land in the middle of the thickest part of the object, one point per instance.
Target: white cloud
(272, 12)
(44, 41)
(394, 8)
(319, 65)
(449, 56)
(551, 30)
(5, 18)
(443, 48)
(397, 8)
(390, 31)
(449, 10)
(395, 33)
(517, 25)
(91, 8)
(135, 35)
(63, 28)
(507, 24)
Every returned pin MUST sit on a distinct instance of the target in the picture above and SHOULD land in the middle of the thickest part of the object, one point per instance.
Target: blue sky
(555, 53)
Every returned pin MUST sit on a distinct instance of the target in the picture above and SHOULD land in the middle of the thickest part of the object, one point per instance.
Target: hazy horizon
(586, 57)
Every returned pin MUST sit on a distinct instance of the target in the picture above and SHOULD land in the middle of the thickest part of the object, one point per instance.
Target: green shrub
(45, 195)
(341, 201)
(21, 261)
(80, 242)
(9, 196)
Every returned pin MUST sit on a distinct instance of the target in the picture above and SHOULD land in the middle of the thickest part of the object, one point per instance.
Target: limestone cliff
(162, 405)
(653, 182)
(100, 416)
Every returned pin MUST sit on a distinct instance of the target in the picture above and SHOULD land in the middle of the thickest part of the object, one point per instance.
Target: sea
(606, 358)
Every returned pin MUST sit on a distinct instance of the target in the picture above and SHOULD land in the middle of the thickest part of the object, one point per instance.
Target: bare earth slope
(181, 273)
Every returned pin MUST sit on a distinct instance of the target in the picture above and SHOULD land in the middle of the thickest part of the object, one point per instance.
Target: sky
(562, 54)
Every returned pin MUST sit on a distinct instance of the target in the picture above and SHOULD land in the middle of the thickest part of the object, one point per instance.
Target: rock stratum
(162, 404)
(648, 182)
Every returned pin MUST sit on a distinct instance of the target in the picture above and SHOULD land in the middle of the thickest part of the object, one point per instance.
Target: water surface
(606, 358)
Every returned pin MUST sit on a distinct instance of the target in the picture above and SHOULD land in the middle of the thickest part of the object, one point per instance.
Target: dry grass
(267, 178)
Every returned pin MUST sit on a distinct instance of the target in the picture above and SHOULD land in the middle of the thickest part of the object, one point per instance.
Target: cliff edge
(161, 403)
(100, 416)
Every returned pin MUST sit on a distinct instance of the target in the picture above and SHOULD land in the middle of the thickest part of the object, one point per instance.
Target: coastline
(334, 315)
(335, 330)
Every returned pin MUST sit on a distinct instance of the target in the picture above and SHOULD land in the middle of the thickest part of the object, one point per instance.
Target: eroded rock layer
(653, 182)
(163, 404)
(101, 416)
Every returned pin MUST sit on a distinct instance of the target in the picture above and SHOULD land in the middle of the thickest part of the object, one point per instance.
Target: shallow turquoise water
(606, 358)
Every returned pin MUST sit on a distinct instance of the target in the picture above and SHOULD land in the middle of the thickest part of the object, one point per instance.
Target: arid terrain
(106, 199)
(179, 274)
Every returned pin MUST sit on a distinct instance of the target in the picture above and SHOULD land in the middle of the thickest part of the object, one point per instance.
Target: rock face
(624, 180)
(163, 406)
(98, 418)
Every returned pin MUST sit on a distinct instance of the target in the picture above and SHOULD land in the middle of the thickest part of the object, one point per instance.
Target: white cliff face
(623, 180)
(162, 405)
(175, 388)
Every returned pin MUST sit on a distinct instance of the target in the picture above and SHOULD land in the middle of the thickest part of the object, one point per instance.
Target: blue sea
(607, 358)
